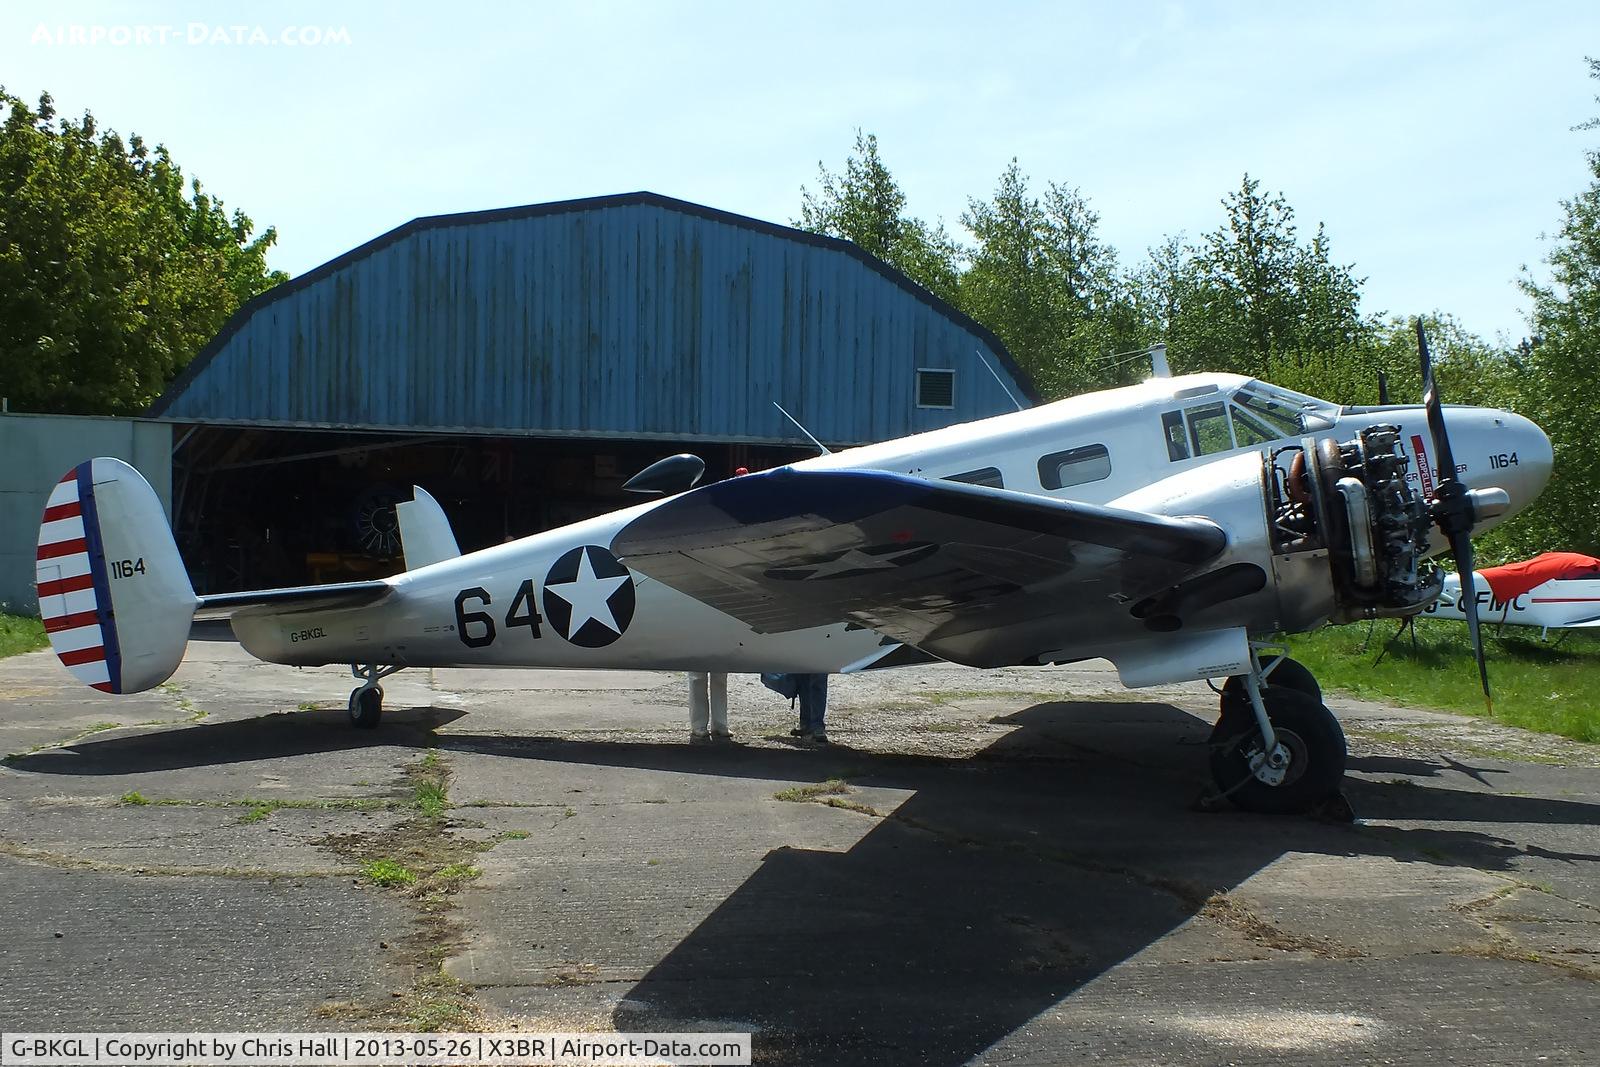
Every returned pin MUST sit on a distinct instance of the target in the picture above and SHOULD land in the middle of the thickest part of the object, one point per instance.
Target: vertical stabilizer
(113, 593)
(425, 535)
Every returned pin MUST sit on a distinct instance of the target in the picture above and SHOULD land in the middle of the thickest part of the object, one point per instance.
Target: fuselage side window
(1208, 429)
(1075, 466)
(1172, 427)
(989, 476)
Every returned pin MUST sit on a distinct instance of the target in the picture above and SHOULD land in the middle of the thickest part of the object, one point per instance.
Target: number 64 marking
(476, 628)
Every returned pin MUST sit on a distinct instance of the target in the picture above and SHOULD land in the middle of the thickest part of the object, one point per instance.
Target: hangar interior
(260, 507)
(521, 364)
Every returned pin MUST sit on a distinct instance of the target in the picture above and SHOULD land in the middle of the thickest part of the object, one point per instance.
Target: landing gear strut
(366, 702)
(1237, 710)
(1277, 748)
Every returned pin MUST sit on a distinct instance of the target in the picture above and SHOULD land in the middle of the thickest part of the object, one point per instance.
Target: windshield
(1269, 409)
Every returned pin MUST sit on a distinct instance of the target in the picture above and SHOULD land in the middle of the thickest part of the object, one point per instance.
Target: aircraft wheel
(366, 707)
(1315, 745)
(1289, 673)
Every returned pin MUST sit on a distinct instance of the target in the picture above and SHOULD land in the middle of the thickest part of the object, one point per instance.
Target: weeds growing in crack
(426, 864)
(800, 794)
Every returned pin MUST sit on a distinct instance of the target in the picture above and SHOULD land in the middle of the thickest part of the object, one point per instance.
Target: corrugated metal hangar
(520, 364)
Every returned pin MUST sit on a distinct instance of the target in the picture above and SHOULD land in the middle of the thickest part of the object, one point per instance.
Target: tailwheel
(366, 707)
(1302, 769)
(366, 703)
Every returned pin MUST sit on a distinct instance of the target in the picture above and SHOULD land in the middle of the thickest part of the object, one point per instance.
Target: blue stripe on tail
(97, 568)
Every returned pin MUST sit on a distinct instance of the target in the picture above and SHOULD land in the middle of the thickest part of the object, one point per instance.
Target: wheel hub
(1284, 764)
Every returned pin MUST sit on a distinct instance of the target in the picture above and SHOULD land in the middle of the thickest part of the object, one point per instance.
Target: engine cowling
(1352, 499)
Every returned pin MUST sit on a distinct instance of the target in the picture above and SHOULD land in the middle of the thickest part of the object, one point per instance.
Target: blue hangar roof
(630, 316)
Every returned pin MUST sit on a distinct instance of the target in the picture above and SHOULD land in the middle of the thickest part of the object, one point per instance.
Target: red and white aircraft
(1169, 527)
(1554, 591)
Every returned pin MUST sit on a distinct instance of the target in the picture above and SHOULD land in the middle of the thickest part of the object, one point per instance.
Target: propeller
(1452, 509)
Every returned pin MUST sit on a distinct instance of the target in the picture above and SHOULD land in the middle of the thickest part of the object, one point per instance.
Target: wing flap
(965, 572)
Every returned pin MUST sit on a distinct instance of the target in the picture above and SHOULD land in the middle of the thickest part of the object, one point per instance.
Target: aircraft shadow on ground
(1005, 881)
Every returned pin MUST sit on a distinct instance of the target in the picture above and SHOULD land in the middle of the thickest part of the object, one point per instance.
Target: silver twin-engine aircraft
(1170, 527)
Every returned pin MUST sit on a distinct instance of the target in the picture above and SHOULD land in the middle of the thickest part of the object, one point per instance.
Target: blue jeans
(813, 695)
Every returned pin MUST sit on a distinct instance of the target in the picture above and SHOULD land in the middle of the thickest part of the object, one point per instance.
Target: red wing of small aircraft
(979, 576)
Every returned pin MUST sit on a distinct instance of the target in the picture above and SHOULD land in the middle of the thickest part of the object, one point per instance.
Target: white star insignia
(589, 596)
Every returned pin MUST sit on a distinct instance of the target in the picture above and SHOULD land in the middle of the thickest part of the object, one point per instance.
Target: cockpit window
(1172, 426)
(1248, 430)
(1208, 429)
(1286, 412)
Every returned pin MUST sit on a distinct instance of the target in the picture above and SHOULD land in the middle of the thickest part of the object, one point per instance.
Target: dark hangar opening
(521, 364)
(258, 507)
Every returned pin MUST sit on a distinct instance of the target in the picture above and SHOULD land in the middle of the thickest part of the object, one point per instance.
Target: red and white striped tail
(113, 593)
(76, 615)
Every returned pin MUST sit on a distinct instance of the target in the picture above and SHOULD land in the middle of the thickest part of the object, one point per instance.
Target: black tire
(366, 707)
(1289, 674)
(1316, 755)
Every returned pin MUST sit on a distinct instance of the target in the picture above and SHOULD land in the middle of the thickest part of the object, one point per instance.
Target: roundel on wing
(588, 596)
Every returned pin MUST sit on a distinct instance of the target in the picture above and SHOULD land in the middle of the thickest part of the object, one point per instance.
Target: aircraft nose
(1520, 460)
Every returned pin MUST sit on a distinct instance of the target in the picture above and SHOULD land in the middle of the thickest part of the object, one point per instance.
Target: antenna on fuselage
(998, 380)
(820, 446)
(1156, 354)
(1158, 360)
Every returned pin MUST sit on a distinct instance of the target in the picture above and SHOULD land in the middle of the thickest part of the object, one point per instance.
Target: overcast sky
(1434, 140)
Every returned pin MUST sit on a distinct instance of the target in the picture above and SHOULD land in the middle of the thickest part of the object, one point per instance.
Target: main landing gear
(1277, 748)
(366, 703)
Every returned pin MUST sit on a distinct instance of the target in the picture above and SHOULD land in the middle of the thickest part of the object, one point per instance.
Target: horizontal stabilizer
(294, 598)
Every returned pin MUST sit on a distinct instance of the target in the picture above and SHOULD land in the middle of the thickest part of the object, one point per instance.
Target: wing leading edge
(981, 576)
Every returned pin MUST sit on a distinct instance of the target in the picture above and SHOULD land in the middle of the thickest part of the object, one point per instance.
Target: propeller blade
(1452, 509)
(1430, 400)
(1462, 547)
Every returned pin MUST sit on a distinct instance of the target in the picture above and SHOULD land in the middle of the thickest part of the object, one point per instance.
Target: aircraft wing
(985, 577)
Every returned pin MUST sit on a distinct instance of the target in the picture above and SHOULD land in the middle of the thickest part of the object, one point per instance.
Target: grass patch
(388, 872)
(833, 787)
(430, 785)
(99, 727)
(430, 798)
(260, 809)
(514, 835)
(19, 634)
(459, 872)
(135, 798)
(1536, 686)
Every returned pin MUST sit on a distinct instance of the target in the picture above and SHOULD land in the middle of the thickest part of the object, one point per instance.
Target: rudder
(113, 593)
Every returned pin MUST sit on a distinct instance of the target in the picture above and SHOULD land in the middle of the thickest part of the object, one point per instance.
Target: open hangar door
(258, 507)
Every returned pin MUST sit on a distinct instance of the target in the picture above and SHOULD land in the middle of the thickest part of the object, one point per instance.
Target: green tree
(864, 204)
(1040, 277)
(113, 271)
(1251, 296)
(1563, 363)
